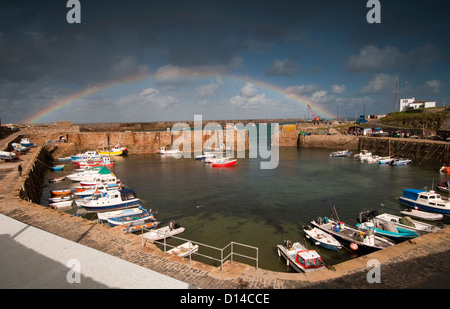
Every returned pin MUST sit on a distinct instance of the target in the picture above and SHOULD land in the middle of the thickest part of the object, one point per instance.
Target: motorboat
(387, 229)
(166, 231)
(26, 142)
(422, 214)
(205, 156)
(385, 160)
(7, 155)
(351, 237)
(400, 162)
(223, 162)
(89, 173)
(106, 161)
(322, 239)
(112, 200)
(114, 151)
(342, 153)
(363, 155)
(59, 199)
(425, 200)
(184, 249)
(299, 257)
(137, 227)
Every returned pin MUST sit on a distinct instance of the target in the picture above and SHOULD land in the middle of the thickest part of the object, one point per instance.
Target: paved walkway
(40, 242)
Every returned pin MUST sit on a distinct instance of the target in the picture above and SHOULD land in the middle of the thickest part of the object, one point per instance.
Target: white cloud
(249, 98)
(249, 90)
(338, 89)
(302, 89)
(433, 86)
(379, 84)
(286, 67)
(206, 90)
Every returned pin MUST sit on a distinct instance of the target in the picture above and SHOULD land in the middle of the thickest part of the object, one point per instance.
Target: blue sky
(221, 59)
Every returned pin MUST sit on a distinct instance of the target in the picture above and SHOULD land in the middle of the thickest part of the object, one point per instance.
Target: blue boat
(132, 219)
(425, 200)
(58, 167)
(388, 230)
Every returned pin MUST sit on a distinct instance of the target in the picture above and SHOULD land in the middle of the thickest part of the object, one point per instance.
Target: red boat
(445, 169)
(222, 162)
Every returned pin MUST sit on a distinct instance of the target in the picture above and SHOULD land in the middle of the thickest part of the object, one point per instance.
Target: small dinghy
(56, 179)
(59, 199)
(422, 214)
(166, 231)
(63, 204)
(58, 167)
(131, 219)
(61, 192)
(342, 153)
(135, 228)
(322, 239)
(184, 250)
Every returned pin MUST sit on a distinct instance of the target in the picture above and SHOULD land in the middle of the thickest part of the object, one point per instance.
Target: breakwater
(414, 149)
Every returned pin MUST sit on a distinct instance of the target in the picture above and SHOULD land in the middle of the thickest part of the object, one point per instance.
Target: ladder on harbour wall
(232, 247)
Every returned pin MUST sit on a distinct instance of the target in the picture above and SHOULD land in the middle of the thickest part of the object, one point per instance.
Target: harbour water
(262, 208)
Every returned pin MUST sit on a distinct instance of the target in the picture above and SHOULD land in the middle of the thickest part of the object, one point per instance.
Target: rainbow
(67, 100)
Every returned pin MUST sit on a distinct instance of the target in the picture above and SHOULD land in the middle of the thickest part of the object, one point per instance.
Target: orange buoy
(353, 246)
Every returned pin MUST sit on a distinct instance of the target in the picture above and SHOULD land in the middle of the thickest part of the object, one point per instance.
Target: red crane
(315, 118)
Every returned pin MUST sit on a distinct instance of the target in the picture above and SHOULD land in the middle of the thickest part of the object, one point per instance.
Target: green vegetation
(429, 118)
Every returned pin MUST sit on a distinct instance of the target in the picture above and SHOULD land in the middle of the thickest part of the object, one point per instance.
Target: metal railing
(232, 247)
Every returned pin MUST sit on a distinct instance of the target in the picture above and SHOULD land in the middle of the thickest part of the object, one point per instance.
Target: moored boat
(114, 151)
(425, 200)
(342, 153)
(113, 200)
(422, 214)
(419, 227)
(56, 179)
(7, 155)
(352, 238)
(163, 150)
(131, 219)
(26, 142)
(138, 227)
(61, 192)
(62, 204)
(59, 199)
(184, 249)
(400, 162)
(322, 239)
(223, 162)
(300, 258)
(103, 216)
(166, 231)
(385, 160)
(58, 167)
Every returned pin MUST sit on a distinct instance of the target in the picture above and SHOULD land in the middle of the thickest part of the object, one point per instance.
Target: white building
(415, 104)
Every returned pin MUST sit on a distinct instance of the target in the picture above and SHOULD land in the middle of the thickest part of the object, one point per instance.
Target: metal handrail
(222, 257)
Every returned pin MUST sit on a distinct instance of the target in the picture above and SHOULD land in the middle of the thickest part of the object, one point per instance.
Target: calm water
(264, 207)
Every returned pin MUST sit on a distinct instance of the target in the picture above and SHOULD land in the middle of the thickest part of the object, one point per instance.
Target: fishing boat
(106, 161)
(351, 237)
(205, 156)
(223, 162)
(184, 250)
(400, 162)
(99, 180)
(114, 151)
(19, 147)
(322, 239)
(422, 214)
(61, 192)
(131, 219)
(112, 200)
(56, 179)
(300, 258)
(166, 231)
(163, 150)
(419, 227)
(425, 200)
(58, 167)
(342, 153)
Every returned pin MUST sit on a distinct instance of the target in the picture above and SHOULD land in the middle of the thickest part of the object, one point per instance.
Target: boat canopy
(412, 193)
(127, 194)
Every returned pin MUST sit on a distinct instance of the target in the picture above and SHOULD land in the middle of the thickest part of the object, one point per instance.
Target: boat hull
(414, 204)
(109, 207)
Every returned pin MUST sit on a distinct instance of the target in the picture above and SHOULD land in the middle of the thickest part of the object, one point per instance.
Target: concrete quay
(420, 263)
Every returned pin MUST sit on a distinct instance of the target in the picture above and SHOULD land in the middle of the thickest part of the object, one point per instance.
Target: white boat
(26, 142)
(164, 232)
(425, 200)
(373, 159)
(205, 156)
(163, 150)
(59, 199)
(7, 155)
(342, 153)
(184, 250)
(136, 227)
(85, 174)
(104, 216)
(56, 179)
(113, 200)
(132, 219)
(62, 204)
(363, 155)
(422, 214)
(322, 239)
(300, 258)
(223, 162)
(420, 228)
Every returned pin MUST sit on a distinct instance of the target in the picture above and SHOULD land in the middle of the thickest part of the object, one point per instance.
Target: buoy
(353, 246)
